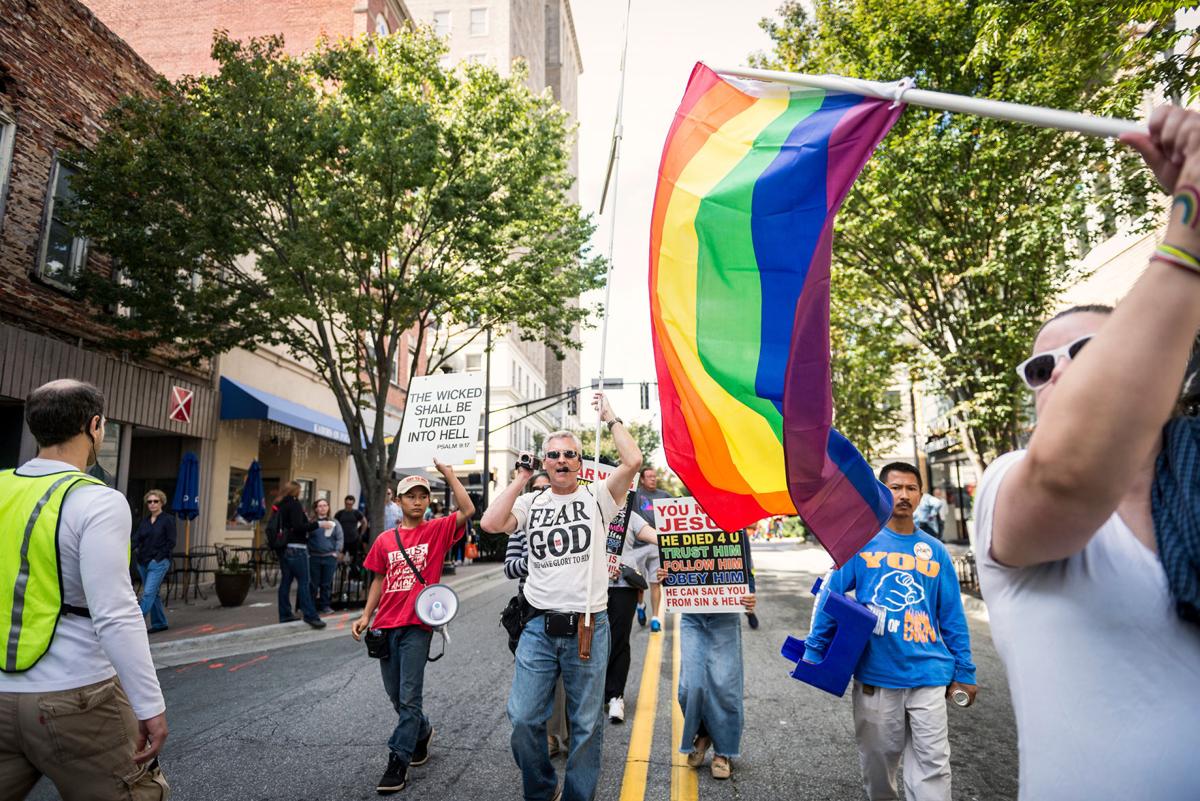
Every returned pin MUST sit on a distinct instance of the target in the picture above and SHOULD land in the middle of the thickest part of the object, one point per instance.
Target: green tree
(330, 203)
(645, 435)
(867, 346)
(962, 230)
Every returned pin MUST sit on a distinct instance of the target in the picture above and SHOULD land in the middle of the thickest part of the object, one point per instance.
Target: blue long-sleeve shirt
(921, 637)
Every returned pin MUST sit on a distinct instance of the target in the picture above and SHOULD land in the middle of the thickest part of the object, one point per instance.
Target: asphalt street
(311, 721)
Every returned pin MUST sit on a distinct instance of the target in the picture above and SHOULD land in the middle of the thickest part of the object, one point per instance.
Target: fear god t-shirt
(568, 569)
(426, 546)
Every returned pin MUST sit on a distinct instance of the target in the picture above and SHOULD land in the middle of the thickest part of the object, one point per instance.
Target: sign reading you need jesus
(707, 568)
(441, 419)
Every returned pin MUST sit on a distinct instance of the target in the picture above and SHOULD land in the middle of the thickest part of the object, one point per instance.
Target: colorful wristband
(1177, 256)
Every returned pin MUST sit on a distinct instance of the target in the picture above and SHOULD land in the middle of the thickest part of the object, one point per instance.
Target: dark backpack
(275, 535)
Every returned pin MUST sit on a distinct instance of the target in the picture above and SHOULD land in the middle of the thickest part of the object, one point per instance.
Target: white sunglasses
(1037, 369)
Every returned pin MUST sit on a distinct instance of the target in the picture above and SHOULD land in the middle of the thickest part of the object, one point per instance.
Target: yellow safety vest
(30, 582)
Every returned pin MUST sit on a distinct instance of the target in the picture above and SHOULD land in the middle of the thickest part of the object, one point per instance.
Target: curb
(276, 635)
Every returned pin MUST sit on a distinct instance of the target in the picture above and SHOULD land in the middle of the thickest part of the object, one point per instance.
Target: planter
(232, 588)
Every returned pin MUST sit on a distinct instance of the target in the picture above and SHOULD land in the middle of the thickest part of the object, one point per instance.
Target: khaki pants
(912, 723)
(82, 739)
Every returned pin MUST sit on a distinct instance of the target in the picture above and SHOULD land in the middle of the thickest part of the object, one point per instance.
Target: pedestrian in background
(391, 512)
(404, 561)
(930, 514)
(354, 530)
(324, 549)
(711, 682)
(293, 562)
(153, 544)
(647, 493)
(79, 698)
(1087, 541)
(622, 600)
(918, 655)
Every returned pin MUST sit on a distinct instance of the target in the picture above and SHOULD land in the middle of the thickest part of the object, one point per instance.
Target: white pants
(912, 722)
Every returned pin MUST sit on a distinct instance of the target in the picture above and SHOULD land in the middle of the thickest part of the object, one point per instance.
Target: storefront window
(108, 455)
(308, 488)
(237, 479)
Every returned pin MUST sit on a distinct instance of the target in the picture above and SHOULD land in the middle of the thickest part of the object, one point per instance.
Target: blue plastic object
(854, 624)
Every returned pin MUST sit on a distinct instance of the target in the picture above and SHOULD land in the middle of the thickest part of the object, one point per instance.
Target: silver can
(960, 697)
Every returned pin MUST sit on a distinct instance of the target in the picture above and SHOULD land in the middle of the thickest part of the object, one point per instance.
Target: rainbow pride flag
(751, 177)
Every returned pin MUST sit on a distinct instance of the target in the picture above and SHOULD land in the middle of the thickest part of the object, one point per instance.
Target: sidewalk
(204, 627)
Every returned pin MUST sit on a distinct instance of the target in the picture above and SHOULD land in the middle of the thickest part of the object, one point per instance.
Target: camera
(525, 461)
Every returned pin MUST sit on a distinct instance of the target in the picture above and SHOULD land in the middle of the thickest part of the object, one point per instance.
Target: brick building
(272, 407)
(176, 37)
(60, 69)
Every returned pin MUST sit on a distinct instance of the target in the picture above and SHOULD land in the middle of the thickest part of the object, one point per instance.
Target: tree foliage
(331, 202)
(962, 230)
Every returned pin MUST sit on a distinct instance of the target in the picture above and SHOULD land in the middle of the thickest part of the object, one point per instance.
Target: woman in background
(153, 542)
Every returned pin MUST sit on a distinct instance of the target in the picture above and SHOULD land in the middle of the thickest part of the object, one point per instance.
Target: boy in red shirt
(392, 599)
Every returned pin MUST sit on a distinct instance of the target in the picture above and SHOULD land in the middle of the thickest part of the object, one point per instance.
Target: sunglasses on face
(154, 500)
(1037, 369)
(564, 454)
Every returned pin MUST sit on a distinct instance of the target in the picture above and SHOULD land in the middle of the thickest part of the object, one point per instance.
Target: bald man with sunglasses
(565, 526)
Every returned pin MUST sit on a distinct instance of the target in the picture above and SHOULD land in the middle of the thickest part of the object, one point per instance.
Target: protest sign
(592, 471)
(707, 568)
(441, 419)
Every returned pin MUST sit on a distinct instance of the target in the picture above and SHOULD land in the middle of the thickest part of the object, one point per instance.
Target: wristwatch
(614, 421)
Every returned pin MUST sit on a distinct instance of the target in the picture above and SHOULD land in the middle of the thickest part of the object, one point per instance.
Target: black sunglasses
(564, 454)
(1037, 369)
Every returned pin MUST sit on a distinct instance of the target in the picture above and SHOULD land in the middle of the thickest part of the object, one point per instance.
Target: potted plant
(232, 582)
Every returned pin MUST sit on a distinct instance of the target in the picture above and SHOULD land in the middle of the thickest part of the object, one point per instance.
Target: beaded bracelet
(1177, 256)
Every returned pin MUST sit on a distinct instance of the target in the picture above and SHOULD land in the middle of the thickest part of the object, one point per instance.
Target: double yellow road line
(637, 763)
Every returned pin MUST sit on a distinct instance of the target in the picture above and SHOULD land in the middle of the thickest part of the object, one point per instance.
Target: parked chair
(202, 560)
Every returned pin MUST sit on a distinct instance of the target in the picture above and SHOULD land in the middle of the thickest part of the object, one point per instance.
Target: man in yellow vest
(79, 698)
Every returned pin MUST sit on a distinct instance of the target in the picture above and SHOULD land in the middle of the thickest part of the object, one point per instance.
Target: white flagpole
(998, 109)
(613, 172)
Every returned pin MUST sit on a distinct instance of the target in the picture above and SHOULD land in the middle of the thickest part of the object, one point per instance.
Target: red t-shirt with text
(426, 545)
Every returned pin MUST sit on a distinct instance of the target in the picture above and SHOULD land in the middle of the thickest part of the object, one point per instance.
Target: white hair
(566, 435)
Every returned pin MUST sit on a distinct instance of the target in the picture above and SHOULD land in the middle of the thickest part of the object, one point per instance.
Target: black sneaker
(317, 623)
(394, 778)
(420, 753)
(752, 619)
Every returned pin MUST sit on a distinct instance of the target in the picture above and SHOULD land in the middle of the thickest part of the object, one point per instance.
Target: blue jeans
(711, 679)
(404, 680)
(152, 574)
(320, 571)
(293, 564)
(540, 660)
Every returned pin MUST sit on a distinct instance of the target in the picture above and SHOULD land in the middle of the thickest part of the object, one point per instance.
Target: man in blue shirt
(918, 655)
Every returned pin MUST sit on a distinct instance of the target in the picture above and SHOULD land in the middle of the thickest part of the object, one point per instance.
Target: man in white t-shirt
(1105, 676)
(79, 698)
(566, 528)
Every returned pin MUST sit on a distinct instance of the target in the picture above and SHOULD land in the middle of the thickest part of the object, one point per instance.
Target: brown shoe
(721, 767)
(700, 748)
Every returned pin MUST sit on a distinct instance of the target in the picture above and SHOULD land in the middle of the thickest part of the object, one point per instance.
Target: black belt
(81, 611)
